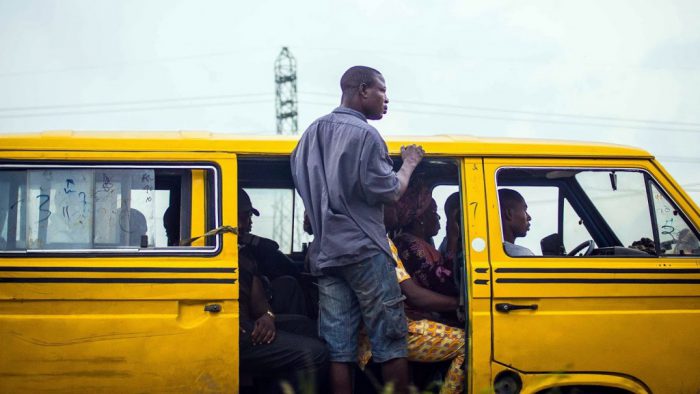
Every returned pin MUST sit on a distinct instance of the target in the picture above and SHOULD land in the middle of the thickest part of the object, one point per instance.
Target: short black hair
(508, 197)
(356, 76)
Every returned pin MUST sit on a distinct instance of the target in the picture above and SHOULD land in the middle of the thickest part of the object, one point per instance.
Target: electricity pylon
(287, 114)
(286, 92)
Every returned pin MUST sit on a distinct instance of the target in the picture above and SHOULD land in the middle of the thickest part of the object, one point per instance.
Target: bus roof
(199, 141)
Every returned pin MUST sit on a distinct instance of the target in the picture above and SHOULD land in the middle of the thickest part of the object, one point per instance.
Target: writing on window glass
(79, 208)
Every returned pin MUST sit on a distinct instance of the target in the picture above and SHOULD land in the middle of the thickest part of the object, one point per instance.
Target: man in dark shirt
(344, 175)
(274, 347)
(278, 272)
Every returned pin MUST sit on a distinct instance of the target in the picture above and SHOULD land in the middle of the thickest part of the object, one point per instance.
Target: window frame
(214, 187)
(585, 200)
(649, 182)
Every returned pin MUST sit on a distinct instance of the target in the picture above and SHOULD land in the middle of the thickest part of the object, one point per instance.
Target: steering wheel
(589, 244)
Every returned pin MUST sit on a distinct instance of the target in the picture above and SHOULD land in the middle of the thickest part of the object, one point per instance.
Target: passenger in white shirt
(515, 221)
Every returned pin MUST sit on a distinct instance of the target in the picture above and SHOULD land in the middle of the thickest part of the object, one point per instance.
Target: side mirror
(613, 180)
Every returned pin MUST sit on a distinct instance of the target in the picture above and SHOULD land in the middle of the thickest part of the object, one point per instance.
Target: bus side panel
(132, 322)
(68, 346)
(634, 317)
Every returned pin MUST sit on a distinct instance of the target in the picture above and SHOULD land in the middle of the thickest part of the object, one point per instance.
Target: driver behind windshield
(515, 221)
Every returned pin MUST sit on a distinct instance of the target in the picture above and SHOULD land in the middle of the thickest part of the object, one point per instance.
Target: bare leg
(341, 378)
(396, 371)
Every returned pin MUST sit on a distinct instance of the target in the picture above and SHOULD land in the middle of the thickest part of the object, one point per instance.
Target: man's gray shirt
(514, 250)
(344, 175)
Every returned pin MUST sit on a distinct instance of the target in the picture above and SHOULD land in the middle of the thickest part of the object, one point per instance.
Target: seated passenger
(515, 221)
(419, 222)
(452, 209)
(286, 295)
(171, 223)
(273, 263)
(134, 227)
(274, 348)
(428, 340)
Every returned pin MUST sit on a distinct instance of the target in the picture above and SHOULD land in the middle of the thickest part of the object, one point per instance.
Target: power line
(129, 64)
(678, 159)
(492, 109)
(481, 59)
(65, 113)
(431, 55)
(535, 120)
(133, 102)
(427, 104)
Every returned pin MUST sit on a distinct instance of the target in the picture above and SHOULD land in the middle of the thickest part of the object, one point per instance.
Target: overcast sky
(613, 71)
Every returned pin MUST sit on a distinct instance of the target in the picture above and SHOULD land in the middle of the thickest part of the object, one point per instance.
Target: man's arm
(271, 262)
(426, 299)
(264, 330)
(411, 156)
(377, 178)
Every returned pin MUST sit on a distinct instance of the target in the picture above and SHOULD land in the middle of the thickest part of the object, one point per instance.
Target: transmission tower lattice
(286, 92)
(287, 114)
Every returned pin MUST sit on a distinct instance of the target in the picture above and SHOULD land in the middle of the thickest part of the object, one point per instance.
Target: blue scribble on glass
(668, 230)
(44, 212)
(69, 184)
(106, 183)
(83, 198)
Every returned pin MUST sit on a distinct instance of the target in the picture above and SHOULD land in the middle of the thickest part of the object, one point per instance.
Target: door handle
(505, 307)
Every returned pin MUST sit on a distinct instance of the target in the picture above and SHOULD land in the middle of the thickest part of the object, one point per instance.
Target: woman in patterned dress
(419, 222)
(428, 340)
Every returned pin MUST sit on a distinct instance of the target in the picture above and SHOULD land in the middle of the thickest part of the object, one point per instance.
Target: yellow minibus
(98, 293)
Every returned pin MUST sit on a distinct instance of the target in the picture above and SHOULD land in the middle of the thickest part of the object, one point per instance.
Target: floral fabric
(429, 341)
(426, 265)
(401, 273)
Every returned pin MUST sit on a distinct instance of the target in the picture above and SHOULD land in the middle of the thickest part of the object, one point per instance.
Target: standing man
(344, 175)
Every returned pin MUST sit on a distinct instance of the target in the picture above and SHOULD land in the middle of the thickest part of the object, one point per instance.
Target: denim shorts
(366, 292)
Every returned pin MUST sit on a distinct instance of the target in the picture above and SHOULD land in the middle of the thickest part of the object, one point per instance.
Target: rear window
(114, 209)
